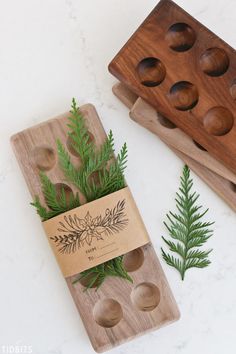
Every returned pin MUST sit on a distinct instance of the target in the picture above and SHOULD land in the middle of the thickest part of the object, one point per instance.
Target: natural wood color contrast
(187, 73)
(218, 177)
(125, 95)
(176, 138)
(119, 310)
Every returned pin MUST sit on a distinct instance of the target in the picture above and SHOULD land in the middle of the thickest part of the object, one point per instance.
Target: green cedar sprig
(186, 229)
(57, 203)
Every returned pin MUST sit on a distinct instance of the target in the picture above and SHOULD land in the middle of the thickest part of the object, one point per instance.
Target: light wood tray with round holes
(119, 310)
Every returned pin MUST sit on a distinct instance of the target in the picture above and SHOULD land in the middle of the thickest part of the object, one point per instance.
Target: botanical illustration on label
(96, 232)
(75, 232)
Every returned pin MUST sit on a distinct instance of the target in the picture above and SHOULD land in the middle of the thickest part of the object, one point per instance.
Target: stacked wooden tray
(187, 74)
(217, 176)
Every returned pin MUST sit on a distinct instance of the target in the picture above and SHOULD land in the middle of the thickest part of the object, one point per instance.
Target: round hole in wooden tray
(232, 186)
(86, 281)
(107, 313)
(214, 62)
(233, 90)
(70, 144)
(94, 178)
(199, 146)
(151, 72)
(180, 37)
(183, 95)
(218, 121)
(133, 260)
(67, 190)
(165, 122)
(145, 296)
(44, 157)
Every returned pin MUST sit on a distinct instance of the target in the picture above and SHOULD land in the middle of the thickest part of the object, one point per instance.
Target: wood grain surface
(176, 138)
(119, 310)
(187, 73)
(220, 179)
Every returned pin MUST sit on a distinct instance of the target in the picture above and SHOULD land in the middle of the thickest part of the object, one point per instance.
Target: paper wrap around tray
(96, 232)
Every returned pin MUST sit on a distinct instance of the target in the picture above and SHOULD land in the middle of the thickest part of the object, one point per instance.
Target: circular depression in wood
(232, 186)
(133, 260)
(151, 72)
(86, 281)
(180, 37)
(183, 95)
(165, 122)
(233, 90)
(70, 143)
(44, 157)
(199, 146)
(107, 313)
(145, 296)
(63, 188)
(214, 62)
(218, 121)
(94, 178)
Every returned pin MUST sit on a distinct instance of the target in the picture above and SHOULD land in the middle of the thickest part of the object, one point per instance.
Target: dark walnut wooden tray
(187, 73)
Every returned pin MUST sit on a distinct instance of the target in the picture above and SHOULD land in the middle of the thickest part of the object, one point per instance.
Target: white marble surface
(51, 51)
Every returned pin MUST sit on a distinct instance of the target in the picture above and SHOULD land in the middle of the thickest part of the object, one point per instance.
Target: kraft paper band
(96, 232)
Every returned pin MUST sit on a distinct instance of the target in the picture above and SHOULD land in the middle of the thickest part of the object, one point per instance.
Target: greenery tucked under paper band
(110, 172)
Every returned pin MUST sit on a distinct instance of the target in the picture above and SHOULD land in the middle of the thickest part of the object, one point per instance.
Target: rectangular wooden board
(119, 310)
(216, 176)
(187, 74)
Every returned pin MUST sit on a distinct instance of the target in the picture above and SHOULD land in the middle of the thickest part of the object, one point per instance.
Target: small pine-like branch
(111, 174)
(103, 155)
(79, 133)
(112, 178)
(42, 211)
(50, 194)
(187, 230)
(70, 172)
(96, 164)
(57, 201)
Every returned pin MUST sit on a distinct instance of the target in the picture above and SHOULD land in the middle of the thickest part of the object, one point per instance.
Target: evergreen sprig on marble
(110, 173)
(187, 230)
